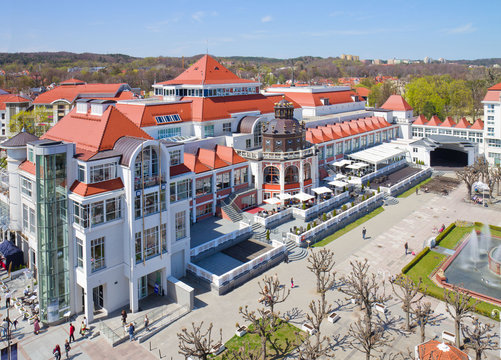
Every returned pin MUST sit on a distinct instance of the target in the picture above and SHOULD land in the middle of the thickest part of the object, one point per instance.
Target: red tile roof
(84, 189)
(144, 114)
(206, 159)
(341, 130)
(94, 133)
(11, 98)
(204, 109)
(397, 103)
(314, 99)
(206, 71)
(448, 122)
(478, 125)
(420, 120)
(72, 92)
(179, 169)
(28, 166)
(463, 124)
(434, 121)
(495, 87)
(492, 95)
(434, 350)
(72, 81)
(362, 91)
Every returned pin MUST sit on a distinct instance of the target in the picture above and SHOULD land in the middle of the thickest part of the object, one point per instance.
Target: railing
(333, 221)
(266, 221)
(323, 205)
(198, 271)
(148, 181)
(382, 171)
(220, 240)
(393, 189)
(258, 154)
(248, 154)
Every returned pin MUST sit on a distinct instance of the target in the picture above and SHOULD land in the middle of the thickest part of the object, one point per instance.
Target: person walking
(131, 332)
(82, 329)
(406, 246)
(364, 231)
(72, 332)
(67, 348)
(124, 317)
(146, 322)
(417, 190)
(36, 326)
(7, 300)
(57, 352)
(292, 283)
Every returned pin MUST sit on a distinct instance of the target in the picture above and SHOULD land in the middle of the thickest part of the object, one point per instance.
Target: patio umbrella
(321, 190)
(285, 196)
(303, 196)
(338, 183)
(273, 201)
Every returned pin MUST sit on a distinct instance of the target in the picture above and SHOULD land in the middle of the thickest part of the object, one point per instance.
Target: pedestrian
(82, 329)
(417, 190)
(124, 316)
(406, 246)
(131, 332)
(15, 324)
(86, 323)
(286, 258)
(364, 231)
(72, 332)
(36, 326)
(67, 348)
(57, 352)
(146, 322)
(7, 300)
(292, 283)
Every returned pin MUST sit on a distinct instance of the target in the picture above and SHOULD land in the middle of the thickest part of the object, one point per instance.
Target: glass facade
(53, 266)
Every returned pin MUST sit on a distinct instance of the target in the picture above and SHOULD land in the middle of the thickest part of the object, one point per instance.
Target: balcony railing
(259, 155)
(149, 181)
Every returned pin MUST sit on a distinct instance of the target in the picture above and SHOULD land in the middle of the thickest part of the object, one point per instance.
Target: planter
(218, 348)
(308, 328)
(241, 331)
(333, 317)
(380, 308)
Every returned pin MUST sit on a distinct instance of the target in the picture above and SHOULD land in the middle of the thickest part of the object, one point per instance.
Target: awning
(341, 163)
(338, 183)
(284, 196)
(303, 196)
(321, 190)
(273, 201)
(361, 165)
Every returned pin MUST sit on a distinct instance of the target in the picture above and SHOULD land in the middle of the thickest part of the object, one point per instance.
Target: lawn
(458, 233)
(424, 268)
(349, 227)
(286, 332)
(412, 190)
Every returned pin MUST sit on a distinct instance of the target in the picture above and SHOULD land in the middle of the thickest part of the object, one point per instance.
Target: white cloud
(266, 18)
(198, 16)
(464, 29)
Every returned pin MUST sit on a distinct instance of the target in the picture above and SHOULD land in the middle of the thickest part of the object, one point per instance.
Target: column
(194, 207)
(281, 167)
(133, 294)
(89, 305)
(301, 176)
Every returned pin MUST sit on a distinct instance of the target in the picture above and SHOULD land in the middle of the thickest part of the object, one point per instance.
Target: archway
(271, 175)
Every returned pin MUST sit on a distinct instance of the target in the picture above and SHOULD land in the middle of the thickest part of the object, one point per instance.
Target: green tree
(35, 122)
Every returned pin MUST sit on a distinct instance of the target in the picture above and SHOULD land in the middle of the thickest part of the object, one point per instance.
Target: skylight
(168, 119)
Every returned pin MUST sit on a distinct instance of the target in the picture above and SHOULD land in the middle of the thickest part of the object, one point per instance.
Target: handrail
(220, 240)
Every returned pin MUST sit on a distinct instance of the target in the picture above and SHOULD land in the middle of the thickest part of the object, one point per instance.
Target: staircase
(295, 252)
(259, 232)
(231, 211)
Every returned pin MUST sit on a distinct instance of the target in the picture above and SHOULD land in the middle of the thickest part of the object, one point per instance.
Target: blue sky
(371, 29)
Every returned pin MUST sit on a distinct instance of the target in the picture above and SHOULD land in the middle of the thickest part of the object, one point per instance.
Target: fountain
(476, 265)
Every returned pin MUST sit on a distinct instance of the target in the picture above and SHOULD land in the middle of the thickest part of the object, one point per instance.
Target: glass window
(208, 130)
(25, 218)
(248, 143)
(204, 209)
(223, 181)
(81, 173)
(175, 157)
(102, 172)
(32, 221)
(241, 176)
(81, 214)
(97, 213)
(203, 186)
(79, 253)
(227, 128)
(163, 237)
(271, 175)
(307, 171)
(150, 203)
(113, 209)
(291, 175)
(26, 186)
(97, 254)
(150, 242)
(31, 157)
(137, 205)
(139, 248)
(180, 225)
(169, 132)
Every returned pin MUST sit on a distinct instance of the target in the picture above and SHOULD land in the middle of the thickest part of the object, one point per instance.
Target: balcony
(260, 155)
(149, 181)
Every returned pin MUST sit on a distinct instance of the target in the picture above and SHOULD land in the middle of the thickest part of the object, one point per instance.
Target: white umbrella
(284, 196)
(480, 186)
(273, 201)
(338, 183)
(303, 196)
(321, 190)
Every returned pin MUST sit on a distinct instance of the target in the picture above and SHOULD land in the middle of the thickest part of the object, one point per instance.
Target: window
(138, 246)
(81, 173)
(227, 128)
(25, 218)
(180, 225)
(102, 172)
(208, 130)
(97, 213)
(146, 165)
(151, 245)
(203, 186)
(175, 157)
(26, 186)
(307, 171)
(291, 175)
(31, 157)
(81, 214)
(32, 221)
(113, 209)
(223, 181)
(150, 203)
(79, 253)
(169, 132)
(490, 131)
(248, 143)
(163, 237)
(415, 150)
(97, 254)
(180, 190)
(168, 119)
(271, 175)
(204, 209)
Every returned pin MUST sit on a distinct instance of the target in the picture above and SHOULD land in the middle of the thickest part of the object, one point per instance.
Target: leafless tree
(245, 352)
(481, 338)
(493, 178)
(196, 342)
(321, 263)
(459, 305)
(272, 293)
(408, 292)
(481, 165)
(368, 335)
(468, 175)
(364, 286)
(263, 324)
(423, 315)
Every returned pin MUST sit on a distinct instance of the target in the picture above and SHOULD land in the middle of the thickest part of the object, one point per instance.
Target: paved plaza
(412, 220)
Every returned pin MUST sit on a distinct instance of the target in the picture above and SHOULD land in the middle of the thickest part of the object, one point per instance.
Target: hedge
(444, 233)
(413, 262)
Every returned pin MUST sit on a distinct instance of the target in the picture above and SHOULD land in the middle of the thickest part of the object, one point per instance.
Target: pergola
(383, 154)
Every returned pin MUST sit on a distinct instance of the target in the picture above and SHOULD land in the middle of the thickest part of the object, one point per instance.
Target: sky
(381, 29)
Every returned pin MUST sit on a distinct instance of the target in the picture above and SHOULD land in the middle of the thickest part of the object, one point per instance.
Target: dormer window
(96, 109)
(325, 101)
(81, 108)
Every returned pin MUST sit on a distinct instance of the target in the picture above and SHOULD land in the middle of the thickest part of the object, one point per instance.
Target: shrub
(344, 207)
(368, 183)
(304, 206)
(378, 189)
(413, 262)
(324, 217)
(268, 234)
(308, 227)
(352, 203)
(314, 223)
(362, 187)
(334, 212)
(444, 233)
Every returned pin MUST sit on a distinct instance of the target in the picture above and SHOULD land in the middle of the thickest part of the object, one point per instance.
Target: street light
(493, 313)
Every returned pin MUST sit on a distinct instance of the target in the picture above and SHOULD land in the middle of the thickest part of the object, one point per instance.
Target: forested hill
(62, 58)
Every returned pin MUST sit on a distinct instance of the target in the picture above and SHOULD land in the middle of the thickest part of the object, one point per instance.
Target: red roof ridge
(478, 125)
(28, 166)
(463, 124)
(396, 103)
(83, 189)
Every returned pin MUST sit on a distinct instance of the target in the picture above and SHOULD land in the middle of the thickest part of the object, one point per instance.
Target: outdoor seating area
(300, 201)
(27, 304)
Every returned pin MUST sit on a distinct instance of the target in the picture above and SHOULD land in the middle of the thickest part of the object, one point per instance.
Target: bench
(308, 328)
(241, 331)
(380, 308)
(333, 317)
(218, 348)
(448, 336)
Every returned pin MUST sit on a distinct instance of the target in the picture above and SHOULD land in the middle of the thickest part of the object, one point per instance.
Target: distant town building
(427, 60)
(350, 57)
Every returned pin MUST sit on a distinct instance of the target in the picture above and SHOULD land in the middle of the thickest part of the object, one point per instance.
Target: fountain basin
(494, 260)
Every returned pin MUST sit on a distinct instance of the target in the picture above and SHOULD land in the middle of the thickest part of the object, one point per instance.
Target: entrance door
(177, 263)
(98, 297)
(143, 287)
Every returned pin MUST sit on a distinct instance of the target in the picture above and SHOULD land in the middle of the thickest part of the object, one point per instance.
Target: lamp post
(493, 313)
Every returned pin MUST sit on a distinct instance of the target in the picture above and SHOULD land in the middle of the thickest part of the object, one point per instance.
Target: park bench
(218, 348)
(241, 331)
(308, 328)
(448, 336)
(380, 308)
(333, 317)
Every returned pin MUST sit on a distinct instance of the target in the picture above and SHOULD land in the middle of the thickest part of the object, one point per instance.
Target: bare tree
(321, 264)
(245, 352)
(424, 316)
(368, 336)
(459, 305)
(480, 338)
(481, 165)
(272, 293)
(263, 324)
(407, 291)
(468, 175)
(493, 178)
(363, 286)
(196, 342)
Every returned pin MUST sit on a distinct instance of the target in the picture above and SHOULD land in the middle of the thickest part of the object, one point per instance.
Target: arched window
(271, 175)
(148, 158)
(291, 175)
(307, 171)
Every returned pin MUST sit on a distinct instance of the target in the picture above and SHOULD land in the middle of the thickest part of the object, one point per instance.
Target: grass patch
(285, 333)
(412, 190)
(425, 267)
(349, 227)
(451, 240)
